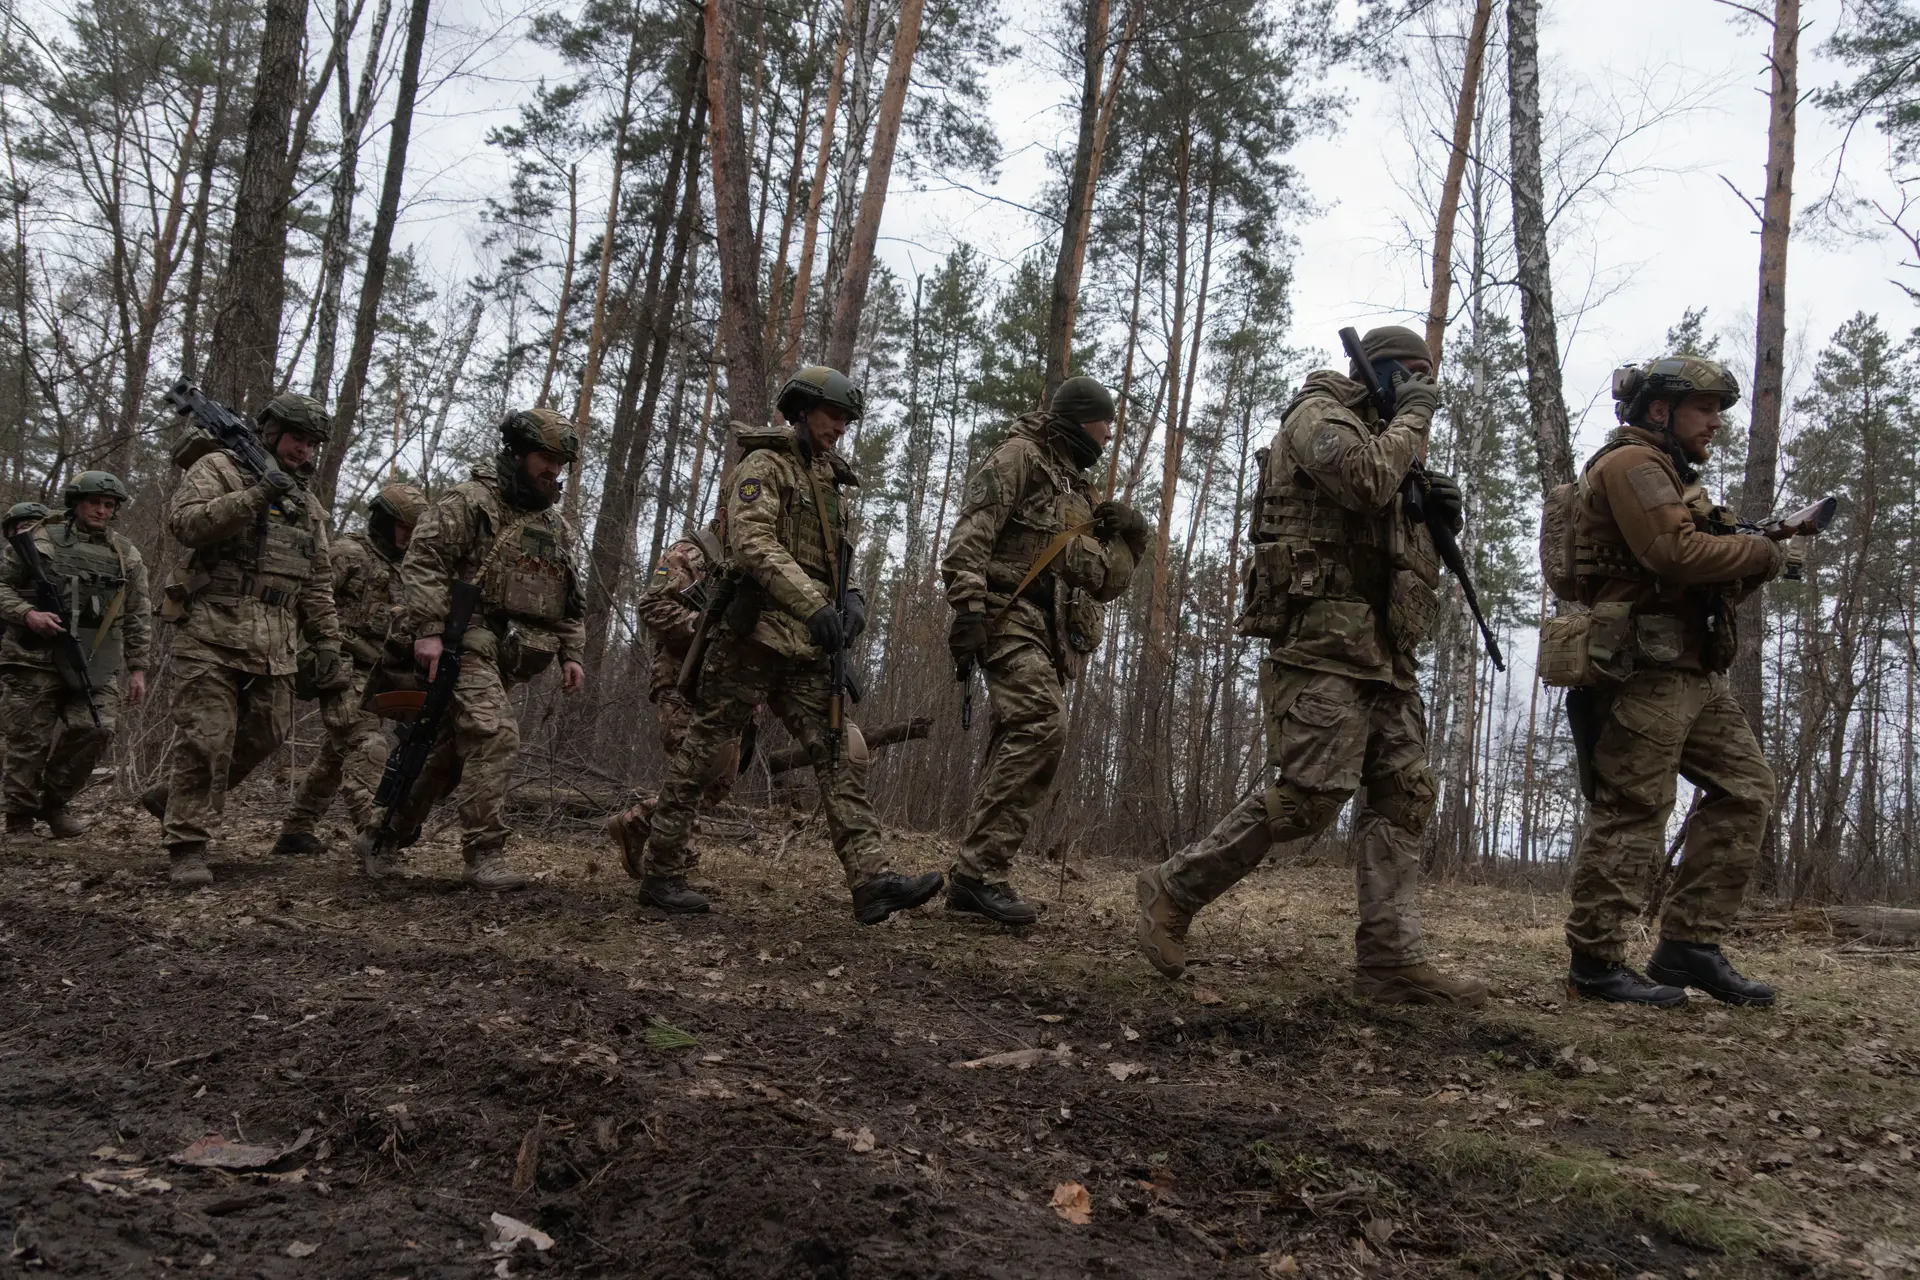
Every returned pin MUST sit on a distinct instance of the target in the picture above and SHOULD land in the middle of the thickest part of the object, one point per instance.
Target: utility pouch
(1411, 604)
(1722, 642)
(1086, 623)
(1264, 603)
(1658, 638)
(178, 594)
(1586, 648)
(525, 653)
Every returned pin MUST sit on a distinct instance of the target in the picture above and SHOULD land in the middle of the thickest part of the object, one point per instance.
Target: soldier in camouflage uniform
(23, 513)
(501, 531)
(786, 519)
(53, 743)
(664, 611)
(259, 579)
(1654, 555)
(1031, 561)
(1344, 588)
(366, 578)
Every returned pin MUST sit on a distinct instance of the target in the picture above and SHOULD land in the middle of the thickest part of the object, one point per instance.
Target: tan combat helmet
(301, 413)
(400, 503)
(525, 430)
(1671, 378)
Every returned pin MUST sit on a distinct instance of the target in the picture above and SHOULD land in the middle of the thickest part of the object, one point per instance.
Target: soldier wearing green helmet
(257, 586)
(53, 742)
(366, 581)
(501, 530)
(1031, 563)
(1660, 572)
(786, 520)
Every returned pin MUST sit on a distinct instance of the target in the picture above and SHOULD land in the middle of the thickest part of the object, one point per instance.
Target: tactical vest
(525, 573)
(1602, 557)
(93, 578)
(270, 560)
(1038, 517)
(374, 613)
(798, 525)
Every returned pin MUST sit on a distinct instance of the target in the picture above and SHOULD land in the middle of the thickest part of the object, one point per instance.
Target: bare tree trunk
(803, 275)
(852, 297)
(742, 320)
(379, 250)
(191, 300)
(566, 287)
(1463, 117)
(356, 108)
(1170, 469)
(246, 322)
(1133, 346)
(1552, 439)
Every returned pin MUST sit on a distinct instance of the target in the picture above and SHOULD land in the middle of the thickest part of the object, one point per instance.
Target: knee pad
(1294, 812)
(1405, 799)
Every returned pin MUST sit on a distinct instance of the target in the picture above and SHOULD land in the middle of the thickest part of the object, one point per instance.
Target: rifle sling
(826, 533)
(112, 614)
(1048, 554)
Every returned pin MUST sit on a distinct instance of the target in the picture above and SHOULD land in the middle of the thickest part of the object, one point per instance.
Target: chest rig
(269, 561)
(525, 572)
(92, 573)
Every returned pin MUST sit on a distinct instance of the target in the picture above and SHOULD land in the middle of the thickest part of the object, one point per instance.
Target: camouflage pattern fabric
(134, 622)
(471, 762)
(1328, 736)
(666, 618)
(226, 721)
(52, 742)
(736, 678)
(1028, 738)
(349, 763)
(774, 532)
(1654, 726)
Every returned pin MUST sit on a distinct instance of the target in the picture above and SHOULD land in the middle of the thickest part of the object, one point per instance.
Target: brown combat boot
(1417, 984)
(1162, 928)
(62, 823)
(188, 869)
(629, 830)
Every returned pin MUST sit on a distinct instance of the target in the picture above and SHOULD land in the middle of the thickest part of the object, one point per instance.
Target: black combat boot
(672, 896)
(1592, 977)
(890, 891)
(994, 901)
(295, 844)
(1703, 966)
(154, 800)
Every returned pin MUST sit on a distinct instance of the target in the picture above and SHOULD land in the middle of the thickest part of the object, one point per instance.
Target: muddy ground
(771, 1090)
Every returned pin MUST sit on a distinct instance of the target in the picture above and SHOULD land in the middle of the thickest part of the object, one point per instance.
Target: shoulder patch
(660, 579)
(1652, 485)
(750, 489)
(1325, 446)
(984, 489)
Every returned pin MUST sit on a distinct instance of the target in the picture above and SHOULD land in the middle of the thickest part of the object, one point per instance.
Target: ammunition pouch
(525, 652)
(1412, 602)
(1722, 637)
(1587, 648)
(1263, 611)
(179, 593)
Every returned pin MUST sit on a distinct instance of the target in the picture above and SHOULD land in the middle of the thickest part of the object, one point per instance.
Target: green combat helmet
(301, 413)
(23, 512)
(1082, 399)
(1671, 378)
(94, 484)
(525, 430)
(817, 385)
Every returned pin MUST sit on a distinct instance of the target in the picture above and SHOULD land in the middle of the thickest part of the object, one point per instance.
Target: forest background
(428, 211)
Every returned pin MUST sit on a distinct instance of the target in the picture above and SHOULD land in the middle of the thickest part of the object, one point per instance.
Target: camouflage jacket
(1023, 497)
(1360, 577)
(126, 644)
(664, 613)
(531, 585)
(231, 525)
(365, 585)
(774, 532)
(1645, 533)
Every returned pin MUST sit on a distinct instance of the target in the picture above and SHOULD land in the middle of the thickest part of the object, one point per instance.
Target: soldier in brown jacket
(1661, 566)
(665, 612)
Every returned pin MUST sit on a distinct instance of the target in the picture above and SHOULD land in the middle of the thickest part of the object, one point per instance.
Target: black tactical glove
(827, 629)
(1415, 394)
(1115, 519)
(330, 671)
(278, 482)
(967, 640)
(1445, 499)
(856, 613)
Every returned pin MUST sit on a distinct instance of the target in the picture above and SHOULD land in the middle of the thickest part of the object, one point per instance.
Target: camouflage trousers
(52, 742)
(1028, 737)
(226, 721)
(1327, 737)
(737, 677)
(349, 763)
(472, 762)
(1654, 727)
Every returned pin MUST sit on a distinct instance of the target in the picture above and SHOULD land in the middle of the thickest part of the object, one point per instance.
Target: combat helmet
(94, 484)
(302, 413)
(523, 431)
(1671, 378)
(401, 503)
(817, 385)
(23, 512)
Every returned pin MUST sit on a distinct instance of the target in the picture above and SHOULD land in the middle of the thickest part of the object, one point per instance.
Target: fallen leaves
(1124, 1071)
(511, 1232)
(1073, 1204)
(215, 1152)
(301, 1249)
(1207, 995)
(861, 1141)
(1019, 1059)
(124, 1183)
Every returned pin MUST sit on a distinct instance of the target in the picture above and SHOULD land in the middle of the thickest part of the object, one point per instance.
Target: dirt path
(771, 1090)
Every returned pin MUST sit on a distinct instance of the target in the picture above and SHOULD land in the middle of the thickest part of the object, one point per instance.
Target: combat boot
(629, 830)
(671, 895)
(62, 823)
(154, 800)
(377, 864)
(19, 824)
(489, 869)
(1162, 928)
(294, 844)
(1591, 977)
(188, 869)
(1417, 984)
(995, 901)
(890, 891)
(1702, 965)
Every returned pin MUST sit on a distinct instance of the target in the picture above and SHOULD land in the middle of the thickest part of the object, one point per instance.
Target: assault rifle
(69, 659)
(233, 433)
(715, 596)
(416, 739)
(1413, 497)
(838, 682)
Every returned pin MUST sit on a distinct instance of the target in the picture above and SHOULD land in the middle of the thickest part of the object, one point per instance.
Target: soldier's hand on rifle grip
(827, 630)
(967, 638)
(426, 652)
(1445, 500)
(42, 623)
(1115, 519)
